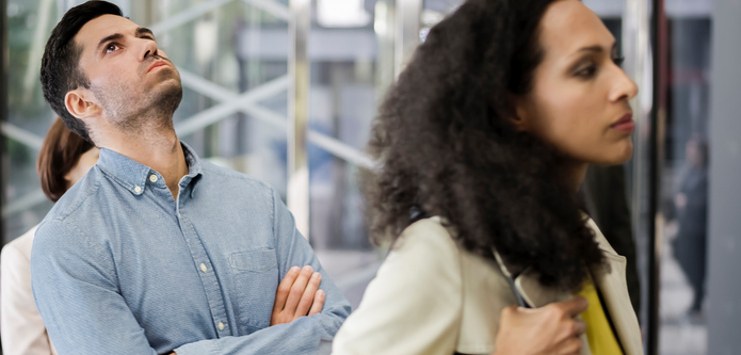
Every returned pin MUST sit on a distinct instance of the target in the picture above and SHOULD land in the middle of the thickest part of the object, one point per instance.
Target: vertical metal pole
(383, 25)
(143, 12)
(407, 31)
(645, 44)
(656, 139)
(4, 161)
(636, 31)
(638, 60)
(298, 114)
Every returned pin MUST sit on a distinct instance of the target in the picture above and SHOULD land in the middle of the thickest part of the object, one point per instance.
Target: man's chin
(169, 97)
(164, 98)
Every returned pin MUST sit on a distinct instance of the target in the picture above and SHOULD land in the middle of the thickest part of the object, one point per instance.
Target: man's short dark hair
(60, 70)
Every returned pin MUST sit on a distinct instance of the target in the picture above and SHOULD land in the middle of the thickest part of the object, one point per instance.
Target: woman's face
(579, 100)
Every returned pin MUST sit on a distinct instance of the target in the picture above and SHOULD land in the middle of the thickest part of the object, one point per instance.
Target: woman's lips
(624, 124)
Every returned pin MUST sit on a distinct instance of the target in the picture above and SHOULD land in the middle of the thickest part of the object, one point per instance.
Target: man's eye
(111, 47)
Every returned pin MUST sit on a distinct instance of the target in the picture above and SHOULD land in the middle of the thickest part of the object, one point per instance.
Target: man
(155, 251)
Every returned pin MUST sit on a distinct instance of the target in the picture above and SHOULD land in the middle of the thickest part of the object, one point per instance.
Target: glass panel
(228, 51)
(29, 116)
(29, 24)
(233, 61)
(343, 97)
(681, 330)
(685, 191)
(608, 190)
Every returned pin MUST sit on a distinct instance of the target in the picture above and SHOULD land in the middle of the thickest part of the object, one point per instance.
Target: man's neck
(160, 150)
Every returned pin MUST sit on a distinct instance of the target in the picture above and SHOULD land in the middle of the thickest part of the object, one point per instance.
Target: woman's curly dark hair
(445, 144)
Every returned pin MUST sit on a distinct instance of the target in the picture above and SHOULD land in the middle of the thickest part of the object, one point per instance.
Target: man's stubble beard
(141, 115)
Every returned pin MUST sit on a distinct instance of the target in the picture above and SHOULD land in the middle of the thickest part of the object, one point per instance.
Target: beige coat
(432, 297)
(23, 332)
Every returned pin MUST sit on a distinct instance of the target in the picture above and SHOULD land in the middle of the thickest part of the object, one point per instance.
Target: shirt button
(138, 189)
(220, 325)
(203, 267)
(153, 178)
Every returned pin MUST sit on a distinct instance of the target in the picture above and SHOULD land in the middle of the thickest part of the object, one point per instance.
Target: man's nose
(149, 49)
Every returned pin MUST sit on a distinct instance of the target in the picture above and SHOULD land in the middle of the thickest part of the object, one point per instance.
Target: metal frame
(187, 15)
(639, 58)
(296, 82)
(385, 13)
(656, 160)
(274, 8)
(30, 140)
(407, 18)
(298, 112)
(247, 102)
(645, 42)
(4, 164)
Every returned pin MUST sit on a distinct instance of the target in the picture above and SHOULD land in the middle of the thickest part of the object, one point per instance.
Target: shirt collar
(133, 175)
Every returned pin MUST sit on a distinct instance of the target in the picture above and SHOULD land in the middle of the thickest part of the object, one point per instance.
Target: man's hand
(552, 329)
(298, 295)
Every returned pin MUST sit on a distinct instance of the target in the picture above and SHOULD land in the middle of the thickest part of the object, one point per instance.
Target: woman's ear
(78, 104)
(520, 116)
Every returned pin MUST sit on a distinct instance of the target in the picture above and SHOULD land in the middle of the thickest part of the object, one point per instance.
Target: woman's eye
(586, 71)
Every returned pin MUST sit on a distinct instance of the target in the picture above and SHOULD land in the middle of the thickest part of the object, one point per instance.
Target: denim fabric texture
(121, 267)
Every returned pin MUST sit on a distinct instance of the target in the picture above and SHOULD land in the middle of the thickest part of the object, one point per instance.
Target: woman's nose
(624, 87)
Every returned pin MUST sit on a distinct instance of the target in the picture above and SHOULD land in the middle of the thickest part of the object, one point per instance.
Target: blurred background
(285, 90)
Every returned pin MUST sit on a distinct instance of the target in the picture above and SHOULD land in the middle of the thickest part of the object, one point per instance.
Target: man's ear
(79, 105)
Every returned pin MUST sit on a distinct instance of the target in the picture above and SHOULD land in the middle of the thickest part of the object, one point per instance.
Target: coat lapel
(610, 281)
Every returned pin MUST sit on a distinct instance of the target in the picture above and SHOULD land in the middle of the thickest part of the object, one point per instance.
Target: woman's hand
(553, 329)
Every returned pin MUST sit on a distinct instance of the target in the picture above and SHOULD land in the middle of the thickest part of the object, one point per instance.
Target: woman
(63, 160)
(481, 147)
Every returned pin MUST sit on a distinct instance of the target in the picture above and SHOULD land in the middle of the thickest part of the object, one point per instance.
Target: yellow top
(602, 340)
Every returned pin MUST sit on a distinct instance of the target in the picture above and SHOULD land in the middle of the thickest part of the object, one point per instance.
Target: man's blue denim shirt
(120, 267)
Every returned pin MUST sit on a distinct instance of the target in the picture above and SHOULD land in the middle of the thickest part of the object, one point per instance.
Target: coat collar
(609, 280)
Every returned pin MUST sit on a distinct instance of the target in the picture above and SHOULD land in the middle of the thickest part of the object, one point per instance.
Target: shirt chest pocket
(254, 274)
(253, 261)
